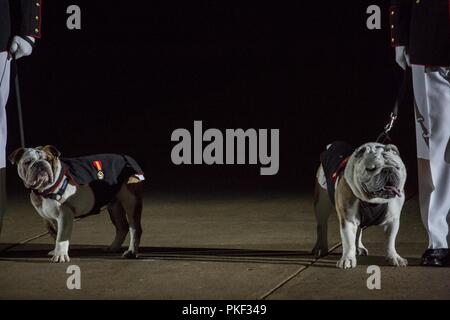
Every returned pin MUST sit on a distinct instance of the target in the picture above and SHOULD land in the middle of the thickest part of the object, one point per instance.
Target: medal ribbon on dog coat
(97, 164)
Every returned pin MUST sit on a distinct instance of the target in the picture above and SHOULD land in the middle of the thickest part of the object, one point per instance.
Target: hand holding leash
(21, 46)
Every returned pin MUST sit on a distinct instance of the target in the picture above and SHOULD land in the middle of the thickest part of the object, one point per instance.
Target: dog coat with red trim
(104, 173)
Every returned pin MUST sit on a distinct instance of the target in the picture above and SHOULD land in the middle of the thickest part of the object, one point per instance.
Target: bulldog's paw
(362, 251)
(347, 262)
(60, 258)
(129, 254)
(51, 253)
(396, 260)
(61, 252)
(320, 251)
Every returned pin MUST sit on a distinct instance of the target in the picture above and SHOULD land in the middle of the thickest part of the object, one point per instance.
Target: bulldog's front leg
(65, 223)
(348, 235)
(391, 230)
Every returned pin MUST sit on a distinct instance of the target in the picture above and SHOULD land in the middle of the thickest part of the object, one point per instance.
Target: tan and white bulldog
(368, 190)
(64, 189)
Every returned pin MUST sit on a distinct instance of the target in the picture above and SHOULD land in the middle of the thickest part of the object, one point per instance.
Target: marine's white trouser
(4, 93)
(432, 98)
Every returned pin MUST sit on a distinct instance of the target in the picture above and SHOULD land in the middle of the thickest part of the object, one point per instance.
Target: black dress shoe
(436, 258)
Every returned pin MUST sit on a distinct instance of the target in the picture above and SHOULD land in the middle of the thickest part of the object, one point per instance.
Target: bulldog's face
(376, 171)
(37, 167)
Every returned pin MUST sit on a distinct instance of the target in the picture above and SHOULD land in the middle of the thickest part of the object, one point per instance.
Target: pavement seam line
(24, 242)
(28, 240)
(299, 271)
(296, 273)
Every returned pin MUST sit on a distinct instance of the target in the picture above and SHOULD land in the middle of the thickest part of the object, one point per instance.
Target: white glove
(402, 57)
(20, 47)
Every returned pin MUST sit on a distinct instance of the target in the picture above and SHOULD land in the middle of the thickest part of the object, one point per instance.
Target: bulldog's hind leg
(119, 219)
(322, 209)
(130, 197)
(361, 250)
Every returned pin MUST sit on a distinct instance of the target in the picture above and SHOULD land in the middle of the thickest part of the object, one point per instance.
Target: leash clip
(391, 123)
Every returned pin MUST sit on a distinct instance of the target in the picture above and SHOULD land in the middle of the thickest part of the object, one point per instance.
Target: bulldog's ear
(360, 152)
(15, 157)
(52, 151)
(391, 147)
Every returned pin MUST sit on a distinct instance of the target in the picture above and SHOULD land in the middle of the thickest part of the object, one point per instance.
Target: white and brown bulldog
(63, 189)
(366, 187)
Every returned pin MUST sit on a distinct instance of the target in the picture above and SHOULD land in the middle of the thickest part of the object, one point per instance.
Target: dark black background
(140, 69)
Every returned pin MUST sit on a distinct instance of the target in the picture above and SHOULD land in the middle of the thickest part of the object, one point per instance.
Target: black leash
(19, 104)
(18, 96)
(384, 136)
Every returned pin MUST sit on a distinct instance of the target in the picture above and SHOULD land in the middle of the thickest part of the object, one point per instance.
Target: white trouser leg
(4, 93)
(432, 97)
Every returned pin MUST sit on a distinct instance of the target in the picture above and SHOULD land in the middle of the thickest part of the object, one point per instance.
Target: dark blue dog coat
(104, 173)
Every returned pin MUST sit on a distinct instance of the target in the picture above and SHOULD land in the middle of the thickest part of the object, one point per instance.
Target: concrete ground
(252, 246)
